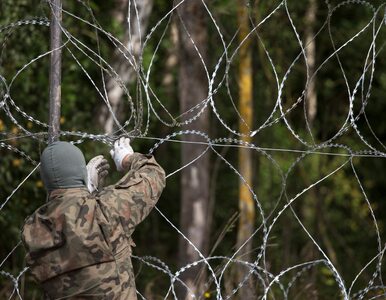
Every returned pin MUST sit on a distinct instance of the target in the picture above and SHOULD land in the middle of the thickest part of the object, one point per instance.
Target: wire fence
(146, 108)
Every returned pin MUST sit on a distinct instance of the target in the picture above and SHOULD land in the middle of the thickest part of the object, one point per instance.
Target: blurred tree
(246, 201)
(310, 51)
(193, 90)
(132, 16)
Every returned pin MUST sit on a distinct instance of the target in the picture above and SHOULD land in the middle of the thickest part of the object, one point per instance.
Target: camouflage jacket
(79, 244)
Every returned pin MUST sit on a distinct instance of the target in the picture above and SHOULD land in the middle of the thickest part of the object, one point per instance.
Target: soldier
(79, 243)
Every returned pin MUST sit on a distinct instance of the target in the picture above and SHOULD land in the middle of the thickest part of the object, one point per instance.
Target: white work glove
(121, 149)
(97, 170)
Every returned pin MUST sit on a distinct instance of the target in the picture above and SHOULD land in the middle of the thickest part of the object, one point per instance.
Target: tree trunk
(311, 99)
(193, 88)
(55, 71)
(312, 208)
(246, 202)
(135, 29)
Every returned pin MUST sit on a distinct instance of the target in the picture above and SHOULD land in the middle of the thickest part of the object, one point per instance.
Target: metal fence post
(55, 70)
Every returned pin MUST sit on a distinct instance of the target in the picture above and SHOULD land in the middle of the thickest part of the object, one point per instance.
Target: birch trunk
(135, 23)
(311, 98)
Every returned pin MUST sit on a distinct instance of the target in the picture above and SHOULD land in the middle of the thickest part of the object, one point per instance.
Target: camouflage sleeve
(140, 188)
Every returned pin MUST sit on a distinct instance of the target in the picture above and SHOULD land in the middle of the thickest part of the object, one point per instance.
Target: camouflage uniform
(79, 244)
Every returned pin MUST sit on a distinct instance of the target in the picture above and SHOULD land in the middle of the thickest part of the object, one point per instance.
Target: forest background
(336, 211)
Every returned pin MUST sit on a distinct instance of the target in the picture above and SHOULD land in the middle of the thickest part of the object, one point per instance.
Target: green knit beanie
(63, 166)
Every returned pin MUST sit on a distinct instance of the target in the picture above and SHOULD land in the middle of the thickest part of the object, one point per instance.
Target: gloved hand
(97, 170)
(121, 149)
